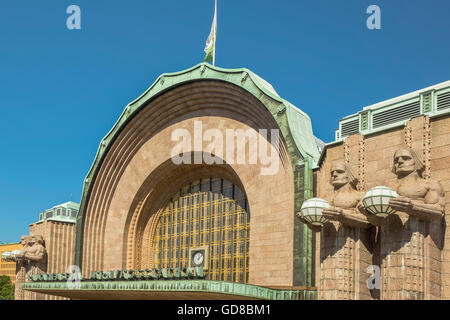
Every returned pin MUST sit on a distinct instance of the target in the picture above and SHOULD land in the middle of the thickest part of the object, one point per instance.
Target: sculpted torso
(33, 250)
(418, 191)
(346, 199)
(417, 196)
(35, 253)
(421, 190)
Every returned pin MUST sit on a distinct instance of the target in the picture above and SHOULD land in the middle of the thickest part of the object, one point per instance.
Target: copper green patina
(295, 126)
(200, 286)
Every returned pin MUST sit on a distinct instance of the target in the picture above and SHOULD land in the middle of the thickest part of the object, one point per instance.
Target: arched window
(212, 214)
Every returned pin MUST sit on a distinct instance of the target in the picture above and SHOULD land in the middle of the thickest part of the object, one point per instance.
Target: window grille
(213, 213)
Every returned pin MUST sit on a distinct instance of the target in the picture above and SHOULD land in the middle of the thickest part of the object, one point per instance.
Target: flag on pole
(210, 48)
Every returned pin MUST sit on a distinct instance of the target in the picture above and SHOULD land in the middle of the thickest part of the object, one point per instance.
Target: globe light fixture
(312, 211)
(10, 256)
(376, 201)
(14, 253)
(6, 256)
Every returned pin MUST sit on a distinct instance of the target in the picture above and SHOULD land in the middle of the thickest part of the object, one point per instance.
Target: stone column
(20, 278)
(410, 259)
(345, 255)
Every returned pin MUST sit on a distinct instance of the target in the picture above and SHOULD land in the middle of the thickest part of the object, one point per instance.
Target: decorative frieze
(361, 167)
(408, 134)
(147, 274)
(427, 147)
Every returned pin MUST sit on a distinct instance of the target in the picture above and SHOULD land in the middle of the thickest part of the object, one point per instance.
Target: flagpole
(215, 36)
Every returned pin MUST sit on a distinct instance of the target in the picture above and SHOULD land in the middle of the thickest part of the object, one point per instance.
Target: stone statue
(33, 250)
(418, 197)
(36, 255)
(345, 243)
(32, 259)
(346, 206)
(404, 238)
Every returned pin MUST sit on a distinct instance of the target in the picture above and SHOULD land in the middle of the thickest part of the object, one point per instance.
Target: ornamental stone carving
(420, 198)
(33, 252)
(346, 206)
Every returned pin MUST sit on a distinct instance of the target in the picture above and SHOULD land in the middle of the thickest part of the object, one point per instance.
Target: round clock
(197, 258)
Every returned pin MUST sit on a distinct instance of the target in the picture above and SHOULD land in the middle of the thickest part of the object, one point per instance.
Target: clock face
(198, 258)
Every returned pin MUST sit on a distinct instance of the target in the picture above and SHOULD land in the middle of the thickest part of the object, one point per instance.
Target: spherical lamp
(6, 256)
(312, 211)
(376, 201)
(14, 253)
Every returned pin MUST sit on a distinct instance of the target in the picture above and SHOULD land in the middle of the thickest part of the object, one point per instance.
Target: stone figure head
(38, 239)
(31, 241)
(406, 161)
(341, 174)
(24, 240)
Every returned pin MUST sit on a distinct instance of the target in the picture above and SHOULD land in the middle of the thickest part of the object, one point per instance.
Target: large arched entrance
(133, 182)
(180, 208)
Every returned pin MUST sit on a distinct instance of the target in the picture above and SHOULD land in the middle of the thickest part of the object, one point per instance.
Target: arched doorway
(211, 214)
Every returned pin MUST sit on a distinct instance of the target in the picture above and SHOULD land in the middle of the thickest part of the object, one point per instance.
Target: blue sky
(62, 90)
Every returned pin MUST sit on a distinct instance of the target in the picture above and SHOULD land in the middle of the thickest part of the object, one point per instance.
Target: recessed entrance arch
(159, 192)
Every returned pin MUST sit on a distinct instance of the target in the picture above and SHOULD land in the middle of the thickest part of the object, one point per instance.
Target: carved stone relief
(403, 244)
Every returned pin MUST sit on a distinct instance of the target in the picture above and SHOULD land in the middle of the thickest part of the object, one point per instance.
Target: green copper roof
(300, 125)
(188, 286)
(65, 212)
